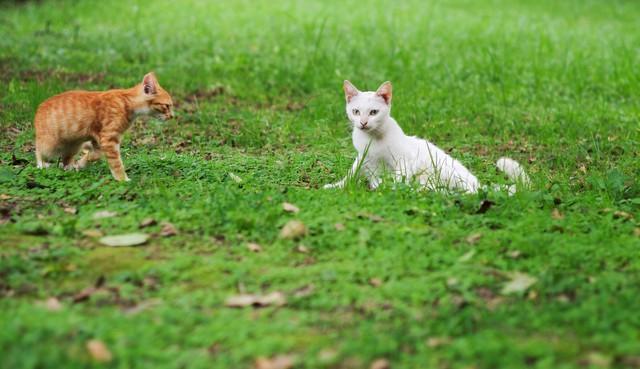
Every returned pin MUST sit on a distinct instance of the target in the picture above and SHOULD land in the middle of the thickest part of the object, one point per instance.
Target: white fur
(381, 144)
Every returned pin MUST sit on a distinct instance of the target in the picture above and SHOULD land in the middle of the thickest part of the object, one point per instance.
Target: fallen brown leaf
(290, 208)
(519, 283)
(304, 291)
(147, 222)
(70, 210)
(375, 282)
(380, 364)
(99, 351)
(372, 217)
(103, 214)
(556, 214)
(254, 247)
(276, 362)
(302, 249)
(4, 197)
(131, 239)
(167, 230)
(93, 233)
(339, 227)
(434, 342)
(243, 300)
(618, 214)
(53, 304)
(514, 254)
(294, 229)
(473, 238)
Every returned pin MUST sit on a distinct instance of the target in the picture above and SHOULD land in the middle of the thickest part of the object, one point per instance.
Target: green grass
(552, 84)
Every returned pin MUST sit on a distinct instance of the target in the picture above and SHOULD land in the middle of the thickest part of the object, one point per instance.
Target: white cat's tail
(514, 171)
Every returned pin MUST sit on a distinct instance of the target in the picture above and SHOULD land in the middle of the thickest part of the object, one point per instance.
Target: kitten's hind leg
(68, 156)
(91, 153)
(40, 159)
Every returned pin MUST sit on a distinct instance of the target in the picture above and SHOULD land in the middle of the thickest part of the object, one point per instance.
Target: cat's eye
(373, 112)
(356, 112)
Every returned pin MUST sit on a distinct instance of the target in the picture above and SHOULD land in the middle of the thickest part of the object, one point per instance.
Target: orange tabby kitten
(94, 122)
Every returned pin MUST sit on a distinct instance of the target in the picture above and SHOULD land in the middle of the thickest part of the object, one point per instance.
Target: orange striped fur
(94, 122)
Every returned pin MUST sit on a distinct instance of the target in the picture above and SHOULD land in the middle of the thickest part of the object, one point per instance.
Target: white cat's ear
(350, 91)
(384, 91)
(149, 84)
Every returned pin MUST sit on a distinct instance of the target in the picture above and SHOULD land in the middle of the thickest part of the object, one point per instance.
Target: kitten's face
(368, 110)
(158, 102)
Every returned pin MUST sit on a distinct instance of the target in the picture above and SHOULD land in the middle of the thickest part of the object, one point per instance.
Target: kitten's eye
(373, 112)
(356, 112)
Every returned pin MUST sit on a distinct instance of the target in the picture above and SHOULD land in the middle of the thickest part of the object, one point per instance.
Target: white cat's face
(368, 110)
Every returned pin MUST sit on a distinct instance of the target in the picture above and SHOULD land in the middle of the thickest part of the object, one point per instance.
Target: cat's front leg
(110, 145)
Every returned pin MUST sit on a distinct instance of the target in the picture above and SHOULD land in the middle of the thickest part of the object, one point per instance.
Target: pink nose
(364, 124)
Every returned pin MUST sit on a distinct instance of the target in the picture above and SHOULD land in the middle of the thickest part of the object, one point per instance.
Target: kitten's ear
(350, 91)
(384, 91)
(149, 84)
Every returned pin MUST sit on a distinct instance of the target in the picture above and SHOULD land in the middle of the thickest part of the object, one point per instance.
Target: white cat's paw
(333, 185)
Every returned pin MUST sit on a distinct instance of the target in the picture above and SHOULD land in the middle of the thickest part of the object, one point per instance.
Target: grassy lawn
(548, 278)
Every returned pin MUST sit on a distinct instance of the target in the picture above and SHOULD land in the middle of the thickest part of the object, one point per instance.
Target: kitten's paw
(72, 166)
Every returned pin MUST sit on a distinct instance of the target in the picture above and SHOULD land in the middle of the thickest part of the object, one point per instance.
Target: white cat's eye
(356, 112)
(373, 112)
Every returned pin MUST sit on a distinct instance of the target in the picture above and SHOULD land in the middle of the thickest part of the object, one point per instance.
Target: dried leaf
(597, 360)
(473, 238)
(519, 283)
(556, 214)
(339, 227)
(434, 342)
(372, 217)
(254, 247)
(304, 291)
(53, 304)
(618, 214)
(147, 222)
(99, 351)
(294, 229)
(235, 178)
(84, 294)
(380, 364)
(131, 239)
(467, 256)
(103, 214)
(514, 254)
(4, 197)
(70, 210)
(276, 362)
(93, 233)
(290, 208)
(168, 230)
(274, 298)
(375, 282)
(302, 249)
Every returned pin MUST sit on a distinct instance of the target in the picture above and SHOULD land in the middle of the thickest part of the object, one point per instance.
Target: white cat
(381, 144)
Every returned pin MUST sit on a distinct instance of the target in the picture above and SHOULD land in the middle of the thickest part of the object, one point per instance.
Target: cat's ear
(150, 84)
(384, 91)
(350, 91)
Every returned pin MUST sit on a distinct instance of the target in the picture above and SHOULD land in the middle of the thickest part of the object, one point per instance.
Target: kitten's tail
(514, 171)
